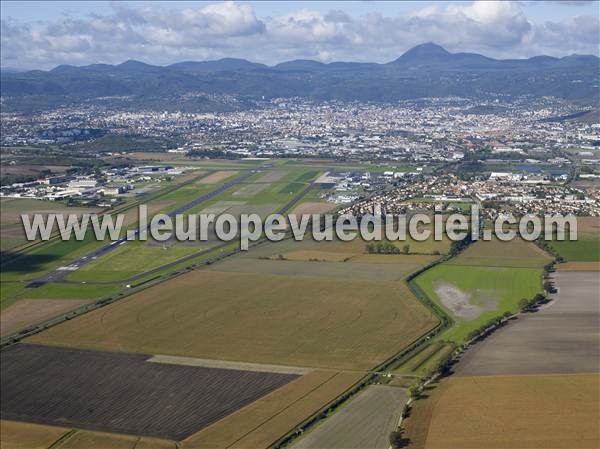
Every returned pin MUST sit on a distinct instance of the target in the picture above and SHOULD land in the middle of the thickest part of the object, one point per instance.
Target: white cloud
(164, 35)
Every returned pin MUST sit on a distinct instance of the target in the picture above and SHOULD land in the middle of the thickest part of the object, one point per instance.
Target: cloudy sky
(45, 34)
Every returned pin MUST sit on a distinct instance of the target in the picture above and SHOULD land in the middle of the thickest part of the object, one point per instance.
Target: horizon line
(425, 44)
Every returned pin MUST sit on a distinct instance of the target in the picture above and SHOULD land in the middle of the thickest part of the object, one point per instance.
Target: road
(59, 273)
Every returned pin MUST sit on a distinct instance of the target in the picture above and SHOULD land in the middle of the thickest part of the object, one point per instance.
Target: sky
(44, 34)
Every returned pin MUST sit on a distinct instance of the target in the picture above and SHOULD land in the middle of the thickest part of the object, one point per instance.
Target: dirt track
(240, 366)
(562, 337)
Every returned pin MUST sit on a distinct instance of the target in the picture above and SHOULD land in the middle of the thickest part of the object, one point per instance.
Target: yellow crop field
(313, 322)
(524, 411)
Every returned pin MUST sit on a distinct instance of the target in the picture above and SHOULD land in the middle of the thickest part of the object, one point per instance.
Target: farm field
(261, 423)
(254, 318)
(487, 279)
(385, 272)
(82, 439)
(537, 379)
(13, 292)
(587, 246)
(359, 246)
(585, 249)
(132, 259)
(515, 253)
(364, 422)
(20, 435)
(354, 248)
(124, 393)
(424, 362)
(513, 411)
(258, 424)
(343, 319)
(474, 294)
(562, 337)
(578, 266)
(12, 234)
(31, 311)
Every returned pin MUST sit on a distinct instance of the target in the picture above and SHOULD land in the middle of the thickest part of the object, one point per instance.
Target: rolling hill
(424, 71)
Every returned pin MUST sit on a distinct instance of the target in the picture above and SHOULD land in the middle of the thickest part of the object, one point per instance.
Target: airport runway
(59, 273)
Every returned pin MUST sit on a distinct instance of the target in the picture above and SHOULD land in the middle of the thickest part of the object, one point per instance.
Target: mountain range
(427, 70)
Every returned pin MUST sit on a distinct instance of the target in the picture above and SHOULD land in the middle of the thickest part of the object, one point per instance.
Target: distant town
(517, 155)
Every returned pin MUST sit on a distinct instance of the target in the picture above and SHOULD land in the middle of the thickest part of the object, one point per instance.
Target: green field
(473, 295)
(424, 362)
(283, 190)
(132, 259)
(15, 291)
(137, 258)
(585, 249)
(484, 281)
(587, 246)
(46, 257)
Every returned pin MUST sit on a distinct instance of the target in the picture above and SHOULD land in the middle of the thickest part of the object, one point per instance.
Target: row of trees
(415, 391)
(459, 245)
(529, 304)
(546, 247)
(386, 248)
(489, 326)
